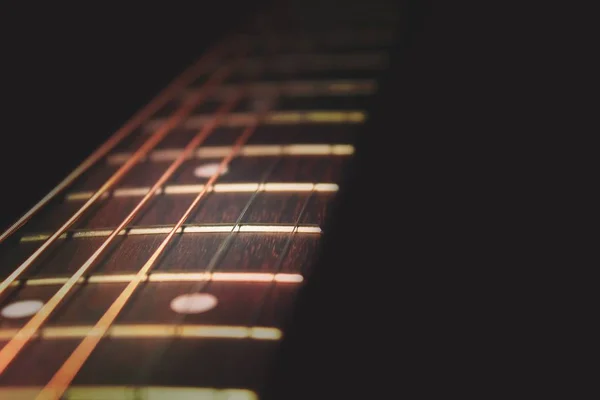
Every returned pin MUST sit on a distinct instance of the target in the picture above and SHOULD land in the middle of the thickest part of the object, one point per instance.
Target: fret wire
(185, 228)
(159, 331)
(65, 374)
(133, 392)
(148, 145)
(169, 277)
(168, 93)
(304, 87)
(13, 347)
(260, 150)
(231, 187)
(291, 117)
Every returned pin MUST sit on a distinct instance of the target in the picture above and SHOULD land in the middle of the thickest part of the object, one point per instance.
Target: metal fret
(247, 151)
(304, 117)
(275, 228)
(132, 392)
(246, 187)
(155, 331)
(299, 88)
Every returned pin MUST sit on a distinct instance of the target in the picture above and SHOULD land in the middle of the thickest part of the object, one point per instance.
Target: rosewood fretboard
(206, 298)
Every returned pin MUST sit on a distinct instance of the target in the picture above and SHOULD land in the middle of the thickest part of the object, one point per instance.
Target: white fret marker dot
(22, 309)
(208, 170)
(193, 303)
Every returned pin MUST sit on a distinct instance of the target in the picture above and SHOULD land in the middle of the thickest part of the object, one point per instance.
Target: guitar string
(279, 263)
(154, 139)
(12, 349)
(167, 94)
(60, 381)
(213, 264)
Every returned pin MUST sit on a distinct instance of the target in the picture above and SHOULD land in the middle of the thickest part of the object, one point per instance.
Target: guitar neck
(168, 263)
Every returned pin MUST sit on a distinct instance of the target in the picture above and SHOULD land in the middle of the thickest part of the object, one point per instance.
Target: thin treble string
(254, 320)
(16, 344)
(167, 94)
(66, 373)
(154, 139)
(214, 262)
(279, 263)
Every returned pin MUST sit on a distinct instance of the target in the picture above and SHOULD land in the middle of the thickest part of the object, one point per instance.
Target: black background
(428, 282)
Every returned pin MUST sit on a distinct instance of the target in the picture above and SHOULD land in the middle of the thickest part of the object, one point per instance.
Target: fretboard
(168, 263)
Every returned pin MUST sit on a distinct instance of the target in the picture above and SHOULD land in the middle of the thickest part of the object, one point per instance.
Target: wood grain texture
(83, 306)
(220, 136)
(310, 169)
(264, 134)
(37, 363)
(314, 134)
(14, 294)
(190, 252)
(239, 303)
(218, 208)
(94, 178)
(67, 255)
(198, 363)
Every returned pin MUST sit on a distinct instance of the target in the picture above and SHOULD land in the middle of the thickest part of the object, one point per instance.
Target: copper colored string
(63, 377)
(175, 87)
